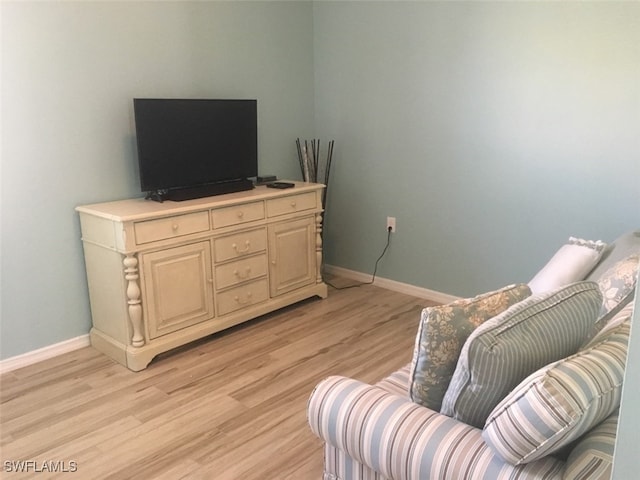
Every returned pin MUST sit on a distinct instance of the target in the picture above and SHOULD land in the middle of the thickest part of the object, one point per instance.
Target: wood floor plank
(230, 406)
(49, 432)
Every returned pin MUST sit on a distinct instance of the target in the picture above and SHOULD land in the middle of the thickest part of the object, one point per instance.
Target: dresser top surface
(139, 208)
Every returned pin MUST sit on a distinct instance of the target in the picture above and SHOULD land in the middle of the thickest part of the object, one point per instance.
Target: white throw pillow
(571, 263)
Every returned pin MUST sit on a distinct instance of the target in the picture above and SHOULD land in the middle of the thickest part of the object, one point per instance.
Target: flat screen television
(190, 148)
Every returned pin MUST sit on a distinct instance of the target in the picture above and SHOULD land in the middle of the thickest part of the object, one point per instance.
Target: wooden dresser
(163, 274)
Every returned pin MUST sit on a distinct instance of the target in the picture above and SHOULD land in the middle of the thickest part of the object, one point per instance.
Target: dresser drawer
(230, 274)
(242, 296)
(170, 227)
(291, 204)
(246, 212)
(240, 244)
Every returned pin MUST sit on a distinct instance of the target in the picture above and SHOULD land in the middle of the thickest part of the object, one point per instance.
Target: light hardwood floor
(231, 406)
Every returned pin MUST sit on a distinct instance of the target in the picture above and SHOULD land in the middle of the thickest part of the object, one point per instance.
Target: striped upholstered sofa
(553, 420)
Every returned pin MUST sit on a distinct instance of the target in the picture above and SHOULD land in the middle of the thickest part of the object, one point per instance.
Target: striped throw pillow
(504, 350)
(614, 322)
(560, 402)
(592, 457)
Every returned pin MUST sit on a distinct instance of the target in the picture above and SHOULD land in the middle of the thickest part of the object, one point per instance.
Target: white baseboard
(400, 287)
(44, 353)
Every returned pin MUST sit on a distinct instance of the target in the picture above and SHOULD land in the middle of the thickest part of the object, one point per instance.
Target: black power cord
(375, 268)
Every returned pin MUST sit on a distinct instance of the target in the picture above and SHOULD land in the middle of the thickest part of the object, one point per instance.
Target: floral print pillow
(441, 335)
(618, 283)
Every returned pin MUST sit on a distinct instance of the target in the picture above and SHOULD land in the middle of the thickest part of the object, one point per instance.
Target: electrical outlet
(391, 223)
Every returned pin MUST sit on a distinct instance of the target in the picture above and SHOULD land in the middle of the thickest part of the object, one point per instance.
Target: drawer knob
(247, 247)
(245, 301)
(240, 275)
(293, 204)
(240, 214)
(174, 227)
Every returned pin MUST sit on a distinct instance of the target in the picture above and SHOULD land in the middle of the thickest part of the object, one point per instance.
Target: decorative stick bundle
(310, 163)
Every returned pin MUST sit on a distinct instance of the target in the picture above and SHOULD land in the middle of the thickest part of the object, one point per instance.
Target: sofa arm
(403, 440)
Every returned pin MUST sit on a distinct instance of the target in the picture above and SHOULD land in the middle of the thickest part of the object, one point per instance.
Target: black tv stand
(208, 190)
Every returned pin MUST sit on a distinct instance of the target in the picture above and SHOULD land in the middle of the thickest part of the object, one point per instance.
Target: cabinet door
(291, 255)
(178, 287)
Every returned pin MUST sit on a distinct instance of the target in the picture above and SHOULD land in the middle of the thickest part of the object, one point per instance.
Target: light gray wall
(69, 73)
(492, 131)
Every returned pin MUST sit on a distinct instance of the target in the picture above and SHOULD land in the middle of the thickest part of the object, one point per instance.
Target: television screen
(193, 142)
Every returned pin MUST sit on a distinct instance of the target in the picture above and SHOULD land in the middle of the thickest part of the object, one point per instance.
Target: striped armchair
(557, 423)
(378, 433)
(375, 432)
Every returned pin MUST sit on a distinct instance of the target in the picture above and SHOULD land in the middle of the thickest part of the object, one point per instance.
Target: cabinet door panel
(178, 287)
(291, 255)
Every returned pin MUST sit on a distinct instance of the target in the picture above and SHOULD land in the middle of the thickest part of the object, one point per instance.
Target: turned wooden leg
(133, 299)
(318, 248)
